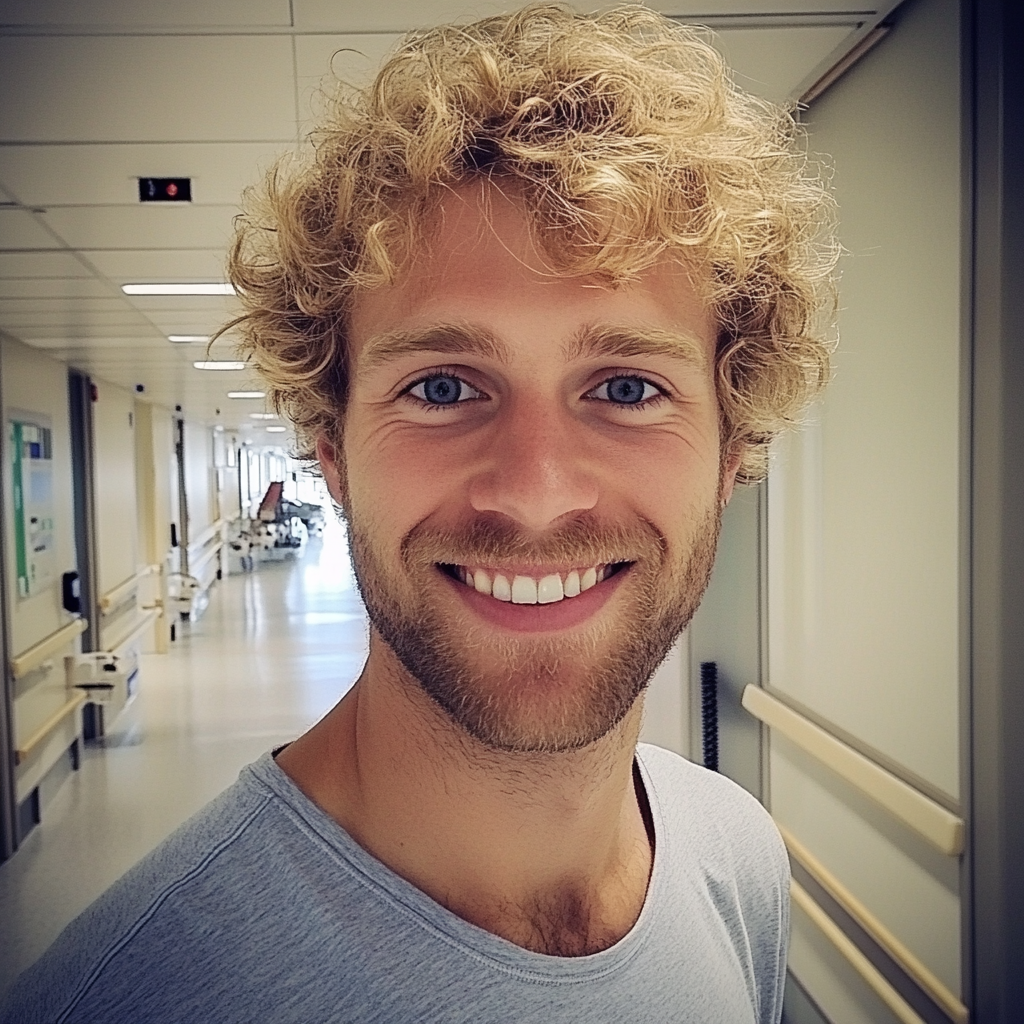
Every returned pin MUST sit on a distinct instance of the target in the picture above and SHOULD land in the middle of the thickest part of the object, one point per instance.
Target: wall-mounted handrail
(198, 542)
(26, 749)
(140, 626)
(111, 597)
(200, 563)
(940, 827)
(940, 994)
(35, 655)
(900, 1008)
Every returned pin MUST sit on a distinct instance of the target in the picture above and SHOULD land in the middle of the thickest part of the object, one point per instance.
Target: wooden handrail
(35, 655)
(951, 1006)
(900, 1008)
(24, 750)
(132, 633)
(111, 597)
(940, 827)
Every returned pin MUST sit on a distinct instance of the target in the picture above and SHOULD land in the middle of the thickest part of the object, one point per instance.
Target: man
(542, 296)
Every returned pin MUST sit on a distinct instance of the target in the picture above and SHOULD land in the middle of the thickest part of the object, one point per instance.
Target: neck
(547, 850)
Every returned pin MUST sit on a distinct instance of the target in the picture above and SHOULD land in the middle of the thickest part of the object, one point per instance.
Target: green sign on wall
(32, 491)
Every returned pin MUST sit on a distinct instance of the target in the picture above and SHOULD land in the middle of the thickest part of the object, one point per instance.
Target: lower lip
(539, 618)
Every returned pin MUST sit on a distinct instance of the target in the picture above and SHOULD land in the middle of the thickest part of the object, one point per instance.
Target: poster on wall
(32, 490)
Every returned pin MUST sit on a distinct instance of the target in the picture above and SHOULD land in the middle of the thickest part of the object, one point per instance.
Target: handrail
(132, 633)
(111, 597)
(901, 1009)
(200, 563)
(943, 997)
(940, 827)
(204, 538)
(24, 750)
(35, 655)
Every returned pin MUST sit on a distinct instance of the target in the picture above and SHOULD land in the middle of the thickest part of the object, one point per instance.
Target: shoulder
(723, 845)
(718, 829)
(137, 905)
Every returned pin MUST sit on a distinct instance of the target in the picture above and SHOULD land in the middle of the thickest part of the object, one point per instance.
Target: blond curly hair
(628, 143)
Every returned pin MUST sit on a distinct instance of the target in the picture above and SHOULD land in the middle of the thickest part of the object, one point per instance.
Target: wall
(863, 509)
(117, 542)
(35, 387)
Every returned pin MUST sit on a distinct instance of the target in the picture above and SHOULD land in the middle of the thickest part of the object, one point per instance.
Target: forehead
(479, 265)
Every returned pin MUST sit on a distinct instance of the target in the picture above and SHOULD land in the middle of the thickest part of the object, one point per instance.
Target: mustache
(491, 538)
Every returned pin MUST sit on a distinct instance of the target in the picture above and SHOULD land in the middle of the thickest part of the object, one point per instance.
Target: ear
(729, 471)
(333, 469)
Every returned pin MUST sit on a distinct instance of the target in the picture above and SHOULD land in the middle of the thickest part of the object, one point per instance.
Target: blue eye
(626, 390)
(443, 389)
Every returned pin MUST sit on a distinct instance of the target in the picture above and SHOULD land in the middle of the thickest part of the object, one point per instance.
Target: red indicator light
(172, 189)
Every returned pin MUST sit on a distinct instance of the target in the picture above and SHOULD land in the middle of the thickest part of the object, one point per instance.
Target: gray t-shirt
(262, 908)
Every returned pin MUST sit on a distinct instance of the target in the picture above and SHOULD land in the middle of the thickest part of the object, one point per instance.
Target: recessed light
(187, 339)
(247, 394)
(276, 430)
(194, 288)
(263, 415)
(219, 364)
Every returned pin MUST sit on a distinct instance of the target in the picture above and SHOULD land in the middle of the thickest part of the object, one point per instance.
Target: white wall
(34, 383)
(117, 543)
(863, 505)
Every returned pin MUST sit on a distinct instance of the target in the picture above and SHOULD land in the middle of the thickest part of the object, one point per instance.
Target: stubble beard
(530, 693)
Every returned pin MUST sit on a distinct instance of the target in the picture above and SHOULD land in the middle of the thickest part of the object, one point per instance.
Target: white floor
(272, 653)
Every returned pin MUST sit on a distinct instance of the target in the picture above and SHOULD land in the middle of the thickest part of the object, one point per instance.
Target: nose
(536, 468)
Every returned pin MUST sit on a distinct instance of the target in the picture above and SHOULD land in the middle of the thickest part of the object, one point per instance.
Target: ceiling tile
(61, 320)
(41, 264)
(21, 229)
(155, 265)
(203, 305)
(152, 88)
(146, 12)
(42, 334)
(54, 287)
(144, 227)
(64, 304)
(81, 174)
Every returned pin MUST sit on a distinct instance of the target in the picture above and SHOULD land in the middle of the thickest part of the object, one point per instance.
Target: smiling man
(543, 295)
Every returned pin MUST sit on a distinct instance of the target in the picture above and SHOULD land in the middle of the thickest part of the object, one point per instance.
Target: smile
(516, 588)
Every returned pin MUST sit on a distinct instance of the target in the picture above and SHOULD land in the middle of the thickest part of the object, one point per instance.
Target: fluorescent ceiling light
(184, 339)
(218, 364)
(247, 394)
(276, 430)
(196, 288)
(263, 415)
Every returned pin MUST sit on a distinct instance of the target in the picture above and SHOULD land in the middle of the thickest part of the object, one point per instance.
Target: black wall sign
(165, 190)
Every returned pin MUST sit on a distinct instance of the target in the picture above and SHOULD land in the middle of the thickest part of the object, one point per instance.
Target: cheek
(396, 477)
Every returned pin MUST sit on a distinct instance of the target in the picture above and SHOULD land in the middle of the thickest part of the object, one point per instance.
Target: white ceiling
(98, 93)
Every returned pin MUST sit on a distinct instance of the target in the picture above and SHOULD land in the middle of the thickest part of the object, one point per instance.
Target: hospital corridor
(178, 596)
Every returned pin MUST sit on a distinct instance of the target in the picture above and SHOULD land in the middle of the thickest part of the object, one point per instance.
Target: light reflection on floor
(273, 652)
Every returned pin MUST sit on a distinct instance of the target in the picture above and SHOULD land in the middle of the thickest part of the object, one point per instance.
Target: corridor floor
(274, 651)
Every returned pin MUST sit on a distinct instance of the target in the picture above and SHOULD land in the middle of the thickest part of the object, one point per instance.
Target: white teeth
(524, 590)
(549, 590)
(502, 590)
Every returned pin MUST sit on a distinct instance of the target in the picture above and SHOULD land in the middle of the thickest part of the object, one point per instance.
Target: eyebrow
(604, 340)
(594, 341)
(447, 338)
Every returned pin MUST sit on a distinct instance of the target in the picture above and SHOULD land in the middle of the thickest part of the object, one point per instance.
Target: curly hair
(628, 143)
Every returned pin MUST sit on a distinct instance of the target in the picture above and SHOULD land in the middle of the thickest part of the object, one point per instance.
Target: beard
(527, 692)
